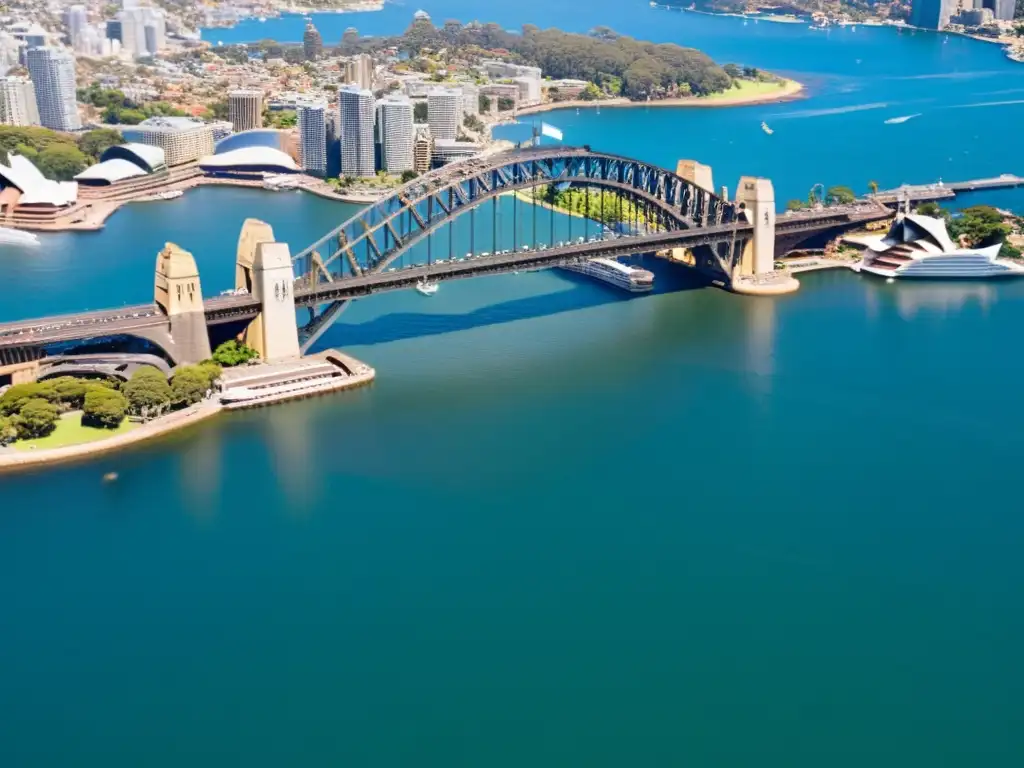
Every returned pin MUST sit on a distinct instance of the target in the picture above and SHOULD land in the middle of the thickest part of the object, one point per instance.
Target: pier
(940, 190)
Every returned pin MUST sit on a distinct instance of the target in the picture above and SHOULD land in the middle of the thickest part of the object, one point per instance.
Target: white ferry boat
(169, 194)
(10, 236)
(426, 288)
(632, 279)
(281, 182)
(919, 247)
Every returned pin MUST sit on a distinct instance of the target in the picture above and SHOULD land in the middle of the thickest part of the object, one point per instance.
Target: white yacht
(632, 279)
(10, 236)
(919, 247)
(426, 288)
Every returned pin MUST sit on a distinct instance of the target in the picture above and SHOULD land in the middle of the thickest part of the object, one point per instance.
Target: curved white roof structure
(111, 171)
(249, 157)
(145, 156)
(35, 188)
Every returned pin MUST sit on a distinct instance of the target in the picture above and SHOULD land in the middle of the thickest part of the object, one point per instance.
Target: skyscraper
(76, 20)
(932, 14)
(444, 113)
(470, 100)
(359, 70)
(53, 75)
(312, 118)
(1001, 9)
(312, 43)
(395, 134)
(143, 30)
(18, 102)
(356, 135)
(245, 109)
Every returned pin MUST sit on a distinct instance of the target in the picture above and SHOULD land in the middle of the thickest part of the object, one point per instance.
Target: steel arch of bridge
(382, 232)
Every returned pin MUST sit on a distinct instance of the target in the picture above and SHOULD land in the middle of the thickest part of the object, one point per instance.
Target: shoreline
(790, 90)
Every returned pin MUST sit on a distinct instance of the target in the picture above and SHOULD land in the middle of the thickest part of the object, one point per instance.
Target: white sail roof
(35, 188)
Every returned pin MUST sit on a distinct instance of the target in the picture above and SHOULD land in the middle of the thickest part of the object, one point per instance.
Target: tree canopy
(233, 352)
(104, 407)
(147, 390)
(37, 418)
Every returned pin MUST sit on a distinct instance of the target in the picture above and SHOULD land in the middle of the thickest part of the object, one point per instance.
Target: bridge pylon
(176, 289)
(756, 196)
(264, 269)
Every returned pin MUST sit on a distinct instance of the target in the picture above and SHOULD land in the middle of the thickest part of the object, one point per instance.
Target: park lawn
(748, 89)
(69, 431)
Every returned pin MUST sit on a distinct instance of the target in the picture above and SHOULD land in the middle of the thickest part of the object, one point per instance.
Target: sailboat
(766, 129)
(426, 288)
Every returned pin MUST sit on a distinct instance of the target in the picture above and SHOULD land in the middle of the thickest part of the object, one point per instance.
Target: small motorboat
(766, 129)
(426, 288)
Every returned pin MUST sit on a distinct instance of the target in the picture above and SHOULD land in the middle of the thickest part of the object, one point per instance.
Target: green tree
(190, 384)
(37, 418)
(95, 143)
(795, 205)
(930, 209)
(104, 407)
(473, 123)
(873, 186)
(840, 195)
(15, 397)
(8, 429)
(62, 162)
(419, 111)
(591, 93)
(408, 176)
(218, 109)
(147, 391)
(232, 353)
(979, 225)
(485, 102)
(732, 71)
(505, 104)
(70, 391)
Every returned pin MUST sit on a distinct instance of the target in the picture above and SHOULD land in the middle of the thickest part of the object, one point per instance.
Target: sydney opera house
(250, 154)
(125, 161)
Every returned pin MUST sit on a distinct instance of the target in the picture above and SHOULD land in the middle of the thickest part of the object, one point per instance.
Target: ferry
(10, 236)
(766, 129)
(281, 182)
(632, 279)
(919, 247)
(169, 194)
(426, 288)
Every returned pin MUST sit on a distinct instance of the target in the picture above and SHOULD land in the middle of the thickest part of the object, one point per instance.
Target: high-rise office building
(933, 14)
(18, 102)
(245, 109)
(395, 134)
(470, 100)
(76, 20)
(1001, 9)
(356, 135)
(359, 70)
(444, 112)
(53, 75)
(423, 150)
(312, 43)
(312, 121)
(143, 30)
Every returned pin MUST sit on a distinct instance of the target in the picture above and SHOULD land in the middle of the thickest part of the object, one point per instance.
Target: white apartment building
(143, 31)
(444, 113)
(470, 100)
(356, 135)
(312, 121)
(182, 139)
(53, 74)
(395, 134)
(18, 102)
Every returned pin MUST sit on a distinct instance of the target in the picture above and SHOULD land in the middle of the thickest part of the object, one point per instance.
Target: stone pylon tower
(178, 292)
(264, 268)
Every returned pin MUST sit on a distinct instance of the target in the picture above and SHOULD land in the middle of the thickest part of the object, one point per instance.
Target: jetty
(942, 190)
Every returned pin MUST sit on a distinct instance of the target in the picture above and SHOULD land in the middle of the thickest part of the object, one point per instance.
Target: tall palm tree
(873, 186)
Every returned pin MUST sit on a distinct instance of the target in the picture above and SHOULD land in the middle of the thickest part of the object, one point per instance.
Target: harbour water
(564, 527)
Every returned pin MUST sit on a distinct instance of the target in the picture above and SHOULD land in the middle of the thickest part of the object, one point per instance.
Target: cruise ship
(919, 247)
(632, 279)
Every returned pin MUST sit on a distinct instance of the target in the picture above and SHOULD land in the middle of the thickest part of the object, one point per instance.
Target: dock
(940, 190)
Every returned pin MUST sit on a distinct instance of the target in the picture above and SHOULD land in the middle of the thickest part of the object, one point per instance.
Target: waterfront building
(394, 134)
(422, 149)
(312, 123)
(932, 14)
(18, 102)
(183, 139)
(450, 151)
(245, 109)
(920, 247)
(248, 161)
(470, 100)
(53, 74)
(444, 113)
(76, 20)
(312, 43)
(122, 162)
(356, 131)
(497, 91)
(529, 89)
(359, 71)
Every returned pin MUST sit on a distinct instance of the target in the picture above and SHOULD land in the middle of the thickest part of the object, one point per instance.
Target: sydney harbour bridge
(436, 228)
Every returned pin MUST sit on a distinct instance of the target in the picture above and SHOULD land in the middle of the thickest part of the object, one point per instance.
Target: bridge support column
(178, 292)
(757, 197)
(263, 267)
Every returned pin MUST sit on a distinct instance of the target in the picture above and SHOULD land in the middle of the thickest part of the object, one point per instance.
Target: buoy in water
(110, 477)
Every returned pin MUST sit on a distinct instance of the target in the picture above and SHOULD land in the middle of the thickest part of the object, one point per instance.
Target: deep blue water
(563, 527)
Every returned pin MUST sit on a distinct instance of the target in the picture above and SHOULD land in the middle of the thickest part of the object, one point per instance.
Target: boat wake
(805, 113)
(903, 119)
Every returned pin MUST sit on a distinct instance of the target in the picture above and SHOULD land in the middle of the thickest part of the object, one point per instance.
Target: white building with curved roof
(24, 184)
(249, 160)
(920, 247)
(124, 161)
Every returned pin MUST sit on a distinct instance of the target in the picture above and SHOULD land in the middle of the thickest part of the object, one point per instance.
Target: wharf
(940, 190)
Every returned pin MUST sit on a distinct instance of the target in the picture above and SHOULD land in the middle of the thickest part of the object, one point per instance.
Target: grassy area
(748, 89)
(69, 431)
